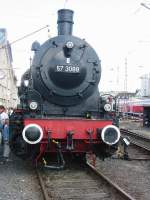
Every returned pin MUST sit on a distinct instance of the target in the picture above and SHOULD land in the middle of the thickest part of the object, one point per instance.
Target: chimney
(65, 22)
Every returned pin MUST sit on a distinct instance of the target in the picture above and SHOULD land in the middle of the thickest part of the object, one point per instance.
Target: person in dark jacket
(4, 127)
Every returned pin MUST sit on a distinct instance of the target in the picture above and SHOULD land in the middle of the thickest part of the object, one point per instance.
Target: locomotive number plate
(67, 69)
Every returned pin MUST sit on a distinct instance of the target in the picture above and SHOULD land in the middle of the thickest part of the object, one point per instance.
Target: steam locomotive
(61, 111)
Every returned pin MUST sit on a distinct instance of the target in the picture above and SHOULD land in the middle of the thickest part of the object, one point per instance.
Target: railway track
(79, 182)
(84, 181)
(137, 139)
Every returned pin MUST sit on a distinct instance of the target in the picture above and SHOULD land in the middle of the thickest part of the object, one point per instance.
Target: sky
(118, 30)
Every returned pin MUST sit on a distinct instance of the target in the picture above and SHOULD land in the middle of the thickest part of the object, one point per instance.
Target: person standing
(4, 126)
(10, 111)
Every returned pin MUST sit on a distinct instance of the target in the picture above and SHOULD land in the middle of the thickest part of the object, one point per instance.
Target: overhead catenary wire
(145, 5)
(24, 37)
(29, 34)
(17, 40)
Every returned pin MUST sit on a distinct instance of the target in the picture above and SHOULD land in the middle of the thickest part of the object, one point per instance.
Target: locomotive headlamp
(26, 83)
(110, 134)
(33, 105)
(69, 45)
(107, 107)
(32, 134)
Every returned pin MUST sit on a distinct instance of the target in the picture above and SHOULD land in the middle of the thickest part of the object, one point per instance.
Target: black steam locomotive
(61, 110)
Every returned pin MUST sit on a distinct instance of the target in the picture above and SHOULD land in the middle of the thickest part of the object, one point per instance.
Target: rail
(112, 184)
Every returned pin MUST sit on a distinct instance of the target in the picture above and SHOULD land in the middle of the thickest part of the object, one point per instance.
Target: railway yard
(70, 130)
(114, 178)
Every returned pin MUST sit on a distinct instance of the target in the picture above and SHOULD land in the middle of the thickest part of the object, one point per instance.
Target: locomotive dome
(65, 70)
